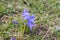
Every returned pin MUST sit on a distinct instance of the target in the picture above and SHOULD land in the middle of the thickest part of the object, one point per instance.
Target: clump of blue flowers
(30, 18)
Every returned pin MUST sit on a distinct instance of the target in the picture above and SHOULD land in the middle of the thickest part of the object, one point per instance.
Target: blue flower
(25, 11)
(30, 25)
(30, 18)
(15, 22)
(25, 14)
(13, 38)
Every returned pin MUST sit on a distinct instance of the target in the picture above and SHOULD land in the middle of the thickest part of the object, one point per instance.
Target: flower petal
(15, 22)
(12, 38)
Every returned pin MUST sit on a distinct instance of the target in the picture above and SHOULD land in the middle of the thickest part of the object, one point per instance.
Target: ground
(47, 19)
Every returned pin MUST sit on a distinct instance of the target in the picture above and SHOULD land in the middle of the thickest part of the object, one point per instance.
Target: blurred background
(47, 20)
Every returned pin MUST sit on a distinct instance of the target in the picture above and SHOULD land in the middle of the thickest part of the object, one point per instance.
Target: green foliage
(46, 12)
(57, 34)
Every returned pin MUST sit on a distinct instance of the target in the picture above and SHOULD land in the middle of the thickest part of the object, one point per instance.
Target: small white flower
(57, 27)
(9, 5)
